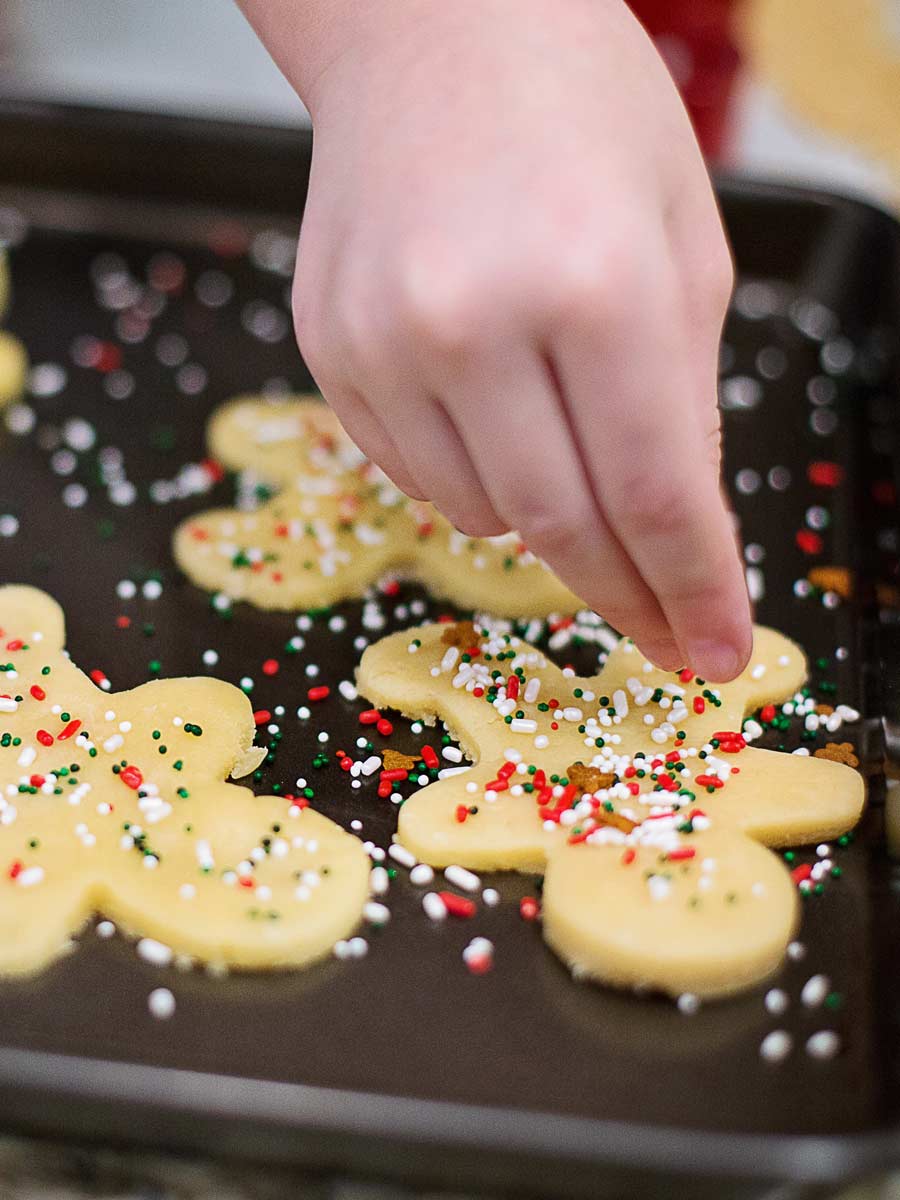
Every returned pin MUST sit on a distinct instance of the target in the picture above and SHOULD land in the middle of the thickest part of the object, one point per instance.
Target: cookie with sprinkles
(13, 359)
(338, 524)
(117, 804)
(636, 791)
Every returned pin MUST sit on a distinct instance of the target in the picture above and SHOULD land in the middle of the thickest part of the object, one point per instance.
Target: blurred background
(807, 90)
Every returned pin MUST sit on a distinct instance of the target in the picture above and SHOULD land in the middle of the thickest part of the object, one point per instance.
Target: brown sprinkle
(840, 752)
(823, 710)
(617, 820)
(589, 779)
(461, 633)
(393, 760)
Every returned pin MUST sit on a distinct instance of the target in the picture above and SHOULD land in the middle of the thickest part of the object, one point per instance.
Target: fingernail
(662, 654)
(716, 661)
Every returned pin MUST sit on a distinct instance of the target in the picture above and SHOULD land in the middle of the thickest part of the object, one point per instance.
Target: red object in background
(695, 37)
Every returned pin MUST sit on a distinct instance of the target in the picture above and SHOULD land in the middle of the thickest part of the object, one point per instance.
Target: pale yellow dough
(66, 856)
(13, 359)
(616, 906)
(338, 524)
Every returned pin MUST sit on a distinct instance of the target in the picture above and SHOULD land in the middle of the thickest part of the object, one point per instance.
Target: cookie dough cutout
(710, 932)
(607, 772)
(116, 804)
(338, 524)
(13, 359)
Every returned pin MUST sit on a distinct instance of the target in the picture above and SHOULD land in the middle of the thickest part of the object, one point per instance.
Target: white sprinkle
(30, 877)
(532, 690)
(401, 855)
(210, 658)
(796, 951)
(161, 1004)
(461, 878)
(126, 590)
(688, 1003)
(815, 990)
(377, 914)
(824, 1044)
(7, 705)
(776, 1046)
(776, 1001)
(105, 929)
(758, 671)
(620, 703)
(358, 947)
(448, 662)
(659, 887)
(523, 725)
(452, 754)
(491, 897)
(434, 906)
(379, 881)
(370, 765)
(187, 891)
(421, 875)
(347, 689)
(154, 952)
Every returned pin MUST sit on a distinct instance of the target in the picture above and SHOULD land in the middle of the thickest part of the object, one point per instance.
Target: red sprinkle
(767, 714)
(270, 666)
(628, 856)
(15, 870)
(15, 644)
(37, 781)
(458, 906)
(825, 474)
(462, 813)
(429, 757)
(512, 687)
(712, 781)
(70, 730)
(38, 692)
(529, 908)
(506, 770)
(699, 705)
(45, 738)
(397, 774)
(686, 675)
(319, 693)
(384, 727)
(246, 882)
(479, 964)
(369, 717)
(681, 854)
(131, 777)
(802, 872)
(496, 785)
(809, 542)
(262, 716)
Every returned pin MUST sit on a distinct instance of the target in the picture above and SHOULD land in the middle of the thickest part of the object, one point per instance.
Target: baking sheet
(582, 1078)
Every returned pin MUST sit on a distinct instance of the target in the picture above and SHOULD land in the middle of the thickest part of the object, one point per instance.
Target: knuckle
(716, 279)
(440, 303)
(663, 510)
(309, 334)
(604, 286)
(553, 532)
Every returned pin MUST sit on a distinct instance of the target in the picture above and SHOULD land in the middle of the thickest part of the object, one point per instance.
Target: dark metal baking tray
(403, 1065)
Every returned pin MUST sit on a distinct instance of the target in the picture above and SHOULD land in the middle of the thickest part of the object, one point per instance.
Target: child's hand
(510, 287)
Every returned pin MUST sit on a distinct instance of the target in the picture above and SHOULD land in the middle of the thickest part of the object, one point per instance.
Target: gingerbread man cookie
(116, 804)
(337, 524)
(635, 791)
(13, 359)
